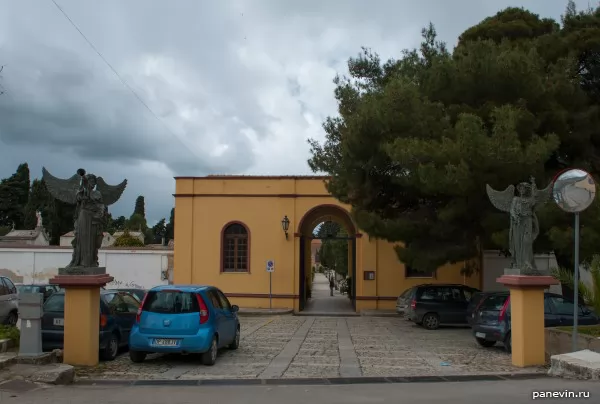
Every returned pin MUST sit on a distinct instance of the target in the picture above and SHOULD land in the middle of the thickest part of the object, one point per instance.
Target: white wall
(130, 268)
(107, 241)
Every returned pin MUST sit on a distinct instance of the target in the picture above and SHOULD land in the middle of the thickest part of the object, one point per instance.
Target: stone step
(579, 365)
(264, 312)
(326, 314)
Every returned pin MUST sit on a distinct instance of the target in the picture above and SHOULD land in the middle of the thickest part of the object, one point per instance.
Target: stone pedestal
(82, 313)
(527, 317)
(30, 311)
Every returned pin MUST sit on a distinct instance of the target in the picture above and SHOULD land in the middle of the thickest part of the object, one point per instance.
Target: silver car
(9, 302)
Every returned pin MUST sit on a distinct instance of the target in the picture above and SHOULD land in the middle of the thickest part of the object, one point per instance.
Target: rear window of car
(493, 302)
(28, 289)
(173, 302)
(406, 293)
(55, 303)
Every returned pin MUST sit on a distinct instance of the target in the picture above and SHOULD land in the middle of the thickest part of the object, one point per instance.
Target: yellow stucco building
(228, 227)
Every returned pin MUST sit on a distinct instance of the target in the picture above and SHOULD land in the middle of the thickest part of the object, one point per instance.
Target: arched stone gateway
(321, 214)
(228, 227)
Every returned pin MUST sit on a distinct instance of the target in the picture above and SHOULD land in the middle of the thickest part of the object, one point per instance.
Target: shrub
(10, 332)
(127, 240)
(589, 293)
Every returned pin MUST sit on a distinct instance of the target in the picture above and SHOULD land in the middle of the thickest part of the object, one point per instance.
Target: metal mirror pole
(576, 282)
(574, 191)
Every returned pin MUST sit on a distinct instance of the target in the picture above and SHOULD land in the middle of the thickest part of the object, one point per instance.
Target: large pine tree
(418, 138)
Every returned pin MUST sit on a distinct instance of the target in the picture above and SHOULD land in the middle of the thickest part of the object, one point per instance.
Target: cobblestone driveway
(301, 347)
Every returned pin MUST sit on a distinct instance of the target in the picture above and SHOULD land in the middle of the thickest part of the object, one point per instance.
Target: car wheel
(210, 357)
(485, 343)
(508, 343)
(431, 321)
(109, 353)
(137, 356)
(236, 341)
(12, 318)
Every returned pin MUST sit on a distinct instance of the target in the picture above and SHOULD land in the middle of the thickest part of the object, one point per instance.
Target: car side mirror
(235, 308)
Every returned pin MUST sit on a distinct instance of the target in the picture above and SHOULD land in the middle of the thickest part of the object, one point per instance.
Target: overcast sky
(238, 85)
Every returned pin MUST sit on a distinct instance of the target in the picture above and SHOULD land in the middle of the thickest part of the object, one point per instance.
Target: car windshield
(56, 303)
(171, 301)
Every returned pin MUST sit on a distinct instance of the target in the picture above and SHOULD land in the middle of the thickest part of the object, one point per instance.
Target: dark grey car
(432, 305)
(492, 320)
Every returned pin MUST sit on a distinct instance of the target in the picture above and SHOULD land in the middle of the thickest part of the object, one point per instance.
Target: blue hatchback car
(184, 319)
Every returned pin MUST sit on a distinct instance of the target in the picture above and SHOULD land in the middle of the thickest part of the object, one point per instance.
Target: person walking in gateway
(331, 286)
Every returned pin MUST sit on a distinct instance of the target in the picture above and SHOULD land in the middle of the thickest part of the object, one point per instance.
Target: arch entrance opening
(327, 258)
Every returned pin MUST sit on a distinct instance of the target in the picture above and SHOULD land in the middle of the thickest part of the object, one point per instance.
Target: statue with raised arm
(91, 196)
(524, 225)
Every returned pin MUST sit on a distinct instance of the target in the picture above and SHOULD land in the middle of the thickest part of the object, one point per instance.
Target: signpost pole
(270, 269)
(270, 291)
(576, 283)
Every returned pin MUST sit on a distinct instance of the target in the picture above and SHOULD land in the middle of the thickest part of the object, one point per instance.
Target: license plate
(59, 322)
(480, 335)
(166, 342)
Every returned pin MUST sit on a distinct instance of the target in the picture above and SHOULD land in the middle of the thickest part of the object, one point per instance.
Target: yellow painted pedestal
(82, 326)
(527, 317)
(82, 317)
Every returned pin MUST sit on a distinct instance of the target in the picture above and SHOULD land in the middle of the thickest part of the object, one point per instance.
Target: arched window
(236, 250)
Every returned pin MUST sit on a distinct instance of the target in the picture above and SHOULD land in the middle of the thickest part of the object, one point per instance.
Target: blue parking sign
(270, 266)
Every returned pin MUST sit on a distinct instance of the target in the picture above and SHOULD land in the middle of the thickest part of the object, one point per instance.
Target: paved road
(501, 392)
(323, 302)
(308, 347)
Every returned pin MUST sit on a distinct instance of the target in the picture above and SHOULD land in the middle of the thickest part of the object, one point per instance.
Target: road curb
(312, 381)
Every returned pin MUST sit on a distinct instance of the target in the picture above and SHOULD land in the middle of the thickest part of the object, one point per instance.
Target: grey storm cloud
(232, 86)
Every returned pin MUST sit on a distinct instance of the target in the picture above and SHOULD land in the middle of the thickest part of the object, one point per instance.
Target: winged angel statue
(524, 225)
(91, 196)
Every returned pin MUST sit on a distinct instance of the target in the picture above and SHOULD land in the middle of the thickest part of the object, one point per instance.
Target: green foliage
(140, 207)
(127, 240)
(590, 293)
(514, 24)
(4, 230)
(418, 138)
(158, 231)
(117, 224)
(58, 217)
(10, 332)
(578, 40)
(170, 228)
(14, 193)
(39, 200)
(137, 222)
(333, 253)
(62, 218)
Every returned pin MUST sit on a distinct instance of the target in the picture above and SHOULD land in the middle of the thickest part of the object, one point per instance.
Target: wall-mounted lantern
(285, 225)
